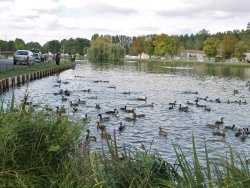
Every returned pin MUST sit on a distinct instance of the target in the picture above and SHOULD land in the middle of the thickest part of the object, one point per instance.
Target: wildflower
(70, 156)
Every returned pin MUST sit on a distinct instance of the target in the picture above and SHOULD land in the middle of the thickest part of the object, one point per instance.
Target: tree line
(225, 44)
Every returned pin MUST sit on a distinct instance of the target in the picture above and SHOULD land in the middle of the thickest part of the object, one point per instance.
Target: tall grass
(47, 150)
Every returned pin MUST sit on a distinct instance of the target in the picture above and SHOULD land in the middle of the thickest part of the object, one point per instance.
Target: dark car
(23, 57)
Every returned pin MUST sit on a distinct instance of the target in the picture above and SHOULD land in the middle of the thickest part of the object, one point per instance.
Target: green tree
(246, 37)
(138, 45)
(240, 50)
(11, 46)
(149, 45)
(227, 46)
(159, 43)
(19, 44)
(211, 46)
(98, 49)
(52, 46)
(36, 45)
(172, 45)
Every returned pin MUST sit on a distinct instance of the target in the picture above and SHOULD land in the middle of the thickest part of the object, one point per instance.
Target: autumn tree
(227, 46)
(172, 45)
(211, 46)
(138, 45)
(159, 43)
(240, 50)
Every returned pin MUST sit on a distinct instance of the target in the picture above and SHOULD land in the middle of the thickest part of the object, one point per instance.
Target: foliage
(172, 45)
(227, 46)
(149, 45)
(52, 46)
(159, 43)
(240, 50)
(19, 44)
(211, 46)
(138, 45)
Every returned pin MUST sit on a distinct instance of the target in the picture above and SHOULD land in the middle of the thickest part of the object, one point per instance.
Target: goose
(220, 122)
(81, 101)
(190, 92)
(85, 117)
(203, 98)
(85, 90)
(67, 92)
(126, 92)
(196, 100)
(57, 85)
(105, 81)
(171, 107)
(223, 134)
(142, 99)
(138, 115)
(121, 127)
(199, 105)
(75, 109)
(206, 108)
(161, 132)
(97, 81)
(48, 108)
(213, 126)
(238, 133)
(184, 108)
(172, 103)
(230, 127)
(235, 91)
(73, 104)
(64, 98)
(130, 118)
(244, 102)
(62, 110)
(123, 108)
(100, 127)
(66, 82)
(239, 102)
(243, 136)
(189, 103)
(103, 118)
(111, 87)
(97, 106)
(105, 135)
(129, 111)
(111, 112)
(59, 81)
(90, 138)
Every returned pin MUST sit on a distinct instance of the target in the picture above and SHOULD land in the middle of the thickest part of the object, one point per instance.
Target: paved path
(7, 64)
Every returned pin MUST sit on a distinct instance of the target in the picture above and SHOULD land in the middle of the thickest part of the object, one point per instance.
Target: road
(7, 64)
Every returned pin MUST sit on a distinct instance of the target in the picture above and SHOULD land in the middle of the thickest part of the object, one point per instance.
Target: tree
(19, 44)
(159, 43)
(52, 46)
(240, 50)
(172, 45)
(227, 46)
(149, 45)
(246, 37)
(34, 45)
(211, 46)
(138, 45)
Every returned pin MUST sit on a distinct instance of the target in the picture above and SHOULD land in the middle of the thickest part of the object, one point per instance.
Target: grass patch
(32, 68)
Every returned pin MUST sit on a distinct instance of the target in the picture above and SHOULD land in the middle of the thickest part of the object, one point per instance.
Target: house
(191, 55)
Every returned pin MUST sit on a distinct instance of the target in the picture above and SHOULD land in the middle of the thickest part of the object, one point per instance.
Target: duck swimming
(161, 132)
(220, 122)
(121, 127)
(103, 118)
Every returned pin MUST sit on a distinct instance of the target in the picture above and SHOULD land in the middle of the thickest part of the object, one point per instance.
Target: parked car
(23, 57)
(38, 58)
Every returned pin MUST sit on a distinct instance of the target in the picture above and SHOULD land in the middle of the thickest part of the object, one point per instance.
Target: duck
(121, 127)
(105, 135)
(238, 133)
(223, 134)
(243, 136)
(213, 126)
(85, 90)
(171, 107)
(64, 98)
(90, 138)
(126, 92)
(75, 109)
(48, 108)
(129, 110)
(123, 108)
(230, 127)
(206, 108)
(105, 81)
(183, 109)
(97, 106)
(59, 81)
(130, 118)
(142, 99)
(220, 122)
(239, 102)
(138, 115)
(196, 100)
(172, 103)
(62, 110)
(235, 91)
(81, 101)
(217, 100)
(246, 131)
(73, 104)
(100, 127)
(199, 105)
(97, 81)
(244, 102)
(111, 112)
(161, 132)
(57, 85)
(103, 118)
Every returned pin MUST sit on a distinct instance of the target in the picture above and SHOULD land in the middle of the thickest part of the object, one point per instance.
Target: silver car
(23, 57)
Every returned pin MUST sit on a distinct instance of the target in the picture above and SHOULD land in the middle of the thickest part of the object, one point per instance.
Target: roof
(193, 51)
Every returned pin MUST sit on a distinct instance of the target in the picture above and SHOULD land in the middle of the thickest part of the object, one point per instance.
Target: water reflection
(161, 83)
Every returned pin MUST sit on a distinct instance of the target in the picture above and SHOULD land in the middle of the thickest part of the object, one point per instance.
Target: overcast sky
(46, 20)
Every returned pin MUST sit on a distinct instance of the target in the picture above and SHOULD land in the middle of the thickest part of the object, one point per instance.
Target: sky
(45, 20)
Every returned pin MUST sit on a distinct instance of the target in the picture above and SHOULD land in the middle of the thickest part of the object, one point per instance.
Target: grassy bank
(32, 68)
(238, 64)
(44, 149)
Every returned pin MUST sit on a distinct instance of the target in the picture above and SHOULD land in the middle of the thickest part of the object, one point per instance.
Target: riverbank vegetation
(33, 68)
(46, 149)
